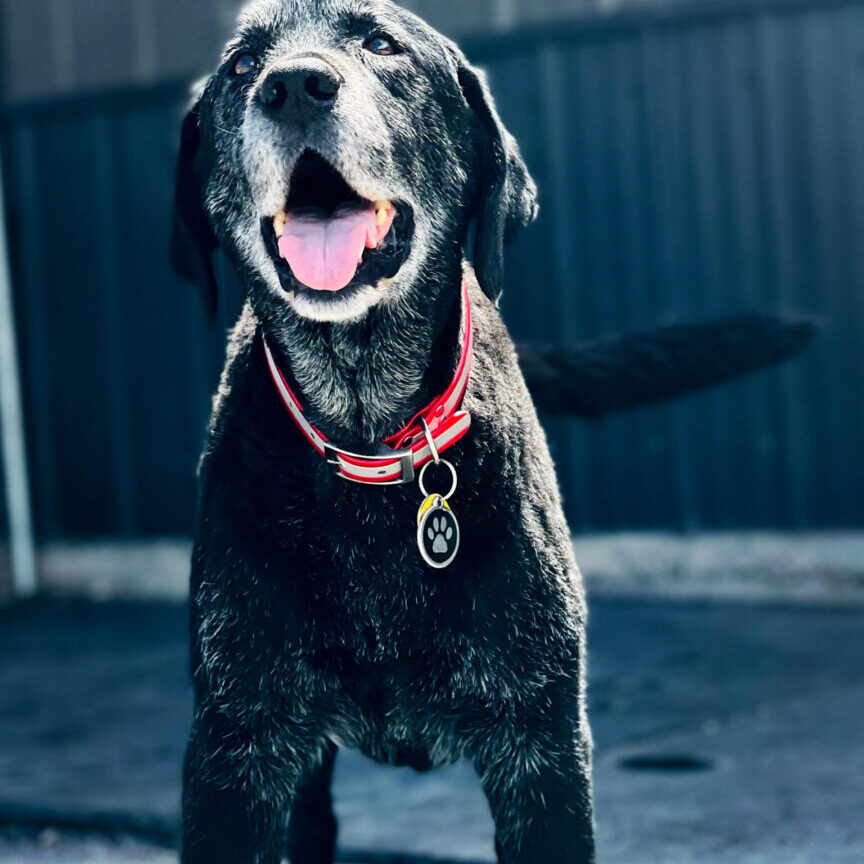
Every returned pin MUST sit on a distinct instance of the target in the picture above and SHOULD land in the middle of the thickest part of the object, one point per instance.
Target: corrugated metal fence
(49, 47)
(692, 164)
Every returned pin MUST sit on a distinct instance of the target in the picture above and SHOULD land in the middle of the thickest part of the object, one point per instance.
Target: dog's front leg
(536, 772)
(237, 792)
(312, 826)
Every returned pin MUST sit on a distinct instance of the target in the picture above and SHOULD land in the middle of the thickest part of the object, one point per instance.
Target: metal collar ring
(422, 478)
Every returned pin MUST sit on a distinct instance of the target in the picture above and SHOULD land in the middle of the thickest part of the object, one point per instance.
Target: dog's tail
(615, 375)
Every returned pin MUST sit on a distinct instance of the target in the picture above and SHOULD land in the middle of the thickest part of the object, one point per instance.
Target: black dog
(344, 155)
(317, 621)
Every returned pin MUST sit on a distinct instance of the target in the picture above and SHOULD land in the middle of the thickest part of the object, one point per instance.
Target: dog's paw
(440, 533)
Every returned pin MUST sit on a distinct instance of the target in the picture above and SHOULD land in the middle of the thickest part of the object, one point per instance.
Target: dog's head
(340, 153)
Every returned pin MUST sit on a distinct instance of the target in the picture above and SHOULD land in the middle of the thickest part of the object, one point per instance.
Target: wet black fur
(315, 622)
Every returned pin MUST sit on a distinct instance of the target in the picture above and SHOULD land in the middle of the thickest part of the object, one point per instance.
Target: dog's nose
(308, 84)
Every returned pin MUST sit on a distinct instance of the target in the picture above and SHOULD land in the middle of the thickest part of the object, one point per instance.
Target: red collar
(395, 460)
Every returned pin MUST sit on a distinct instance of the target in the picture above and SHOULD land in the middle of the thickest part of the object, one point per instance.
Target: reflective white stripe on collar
(395, 460)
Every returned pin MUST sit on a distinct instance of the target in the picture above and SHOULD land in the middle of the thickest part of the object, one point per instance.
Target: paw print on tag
(440, 533)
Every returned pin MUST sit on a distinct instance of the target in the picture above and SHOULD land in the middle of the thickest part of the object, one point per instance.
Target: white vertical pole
(14, 451)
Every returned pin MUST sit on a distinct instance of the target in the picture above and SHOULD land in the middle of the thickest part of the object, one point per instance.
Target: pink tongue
(324, 251)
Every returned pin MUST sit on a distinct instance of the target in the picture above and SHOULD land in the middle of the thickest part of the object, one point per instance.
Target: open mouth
(328, 238)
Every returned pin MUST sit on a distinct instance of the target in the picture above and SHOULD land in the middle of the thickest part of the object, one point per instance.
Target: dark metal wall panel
(702, 165)
(51, 47)
(690, 165)
(68, 46)
(117, 359)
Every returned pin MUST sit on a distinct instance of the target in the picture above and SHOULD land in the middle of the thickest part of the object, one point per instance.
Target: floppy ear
(193, 241)
(507, 199)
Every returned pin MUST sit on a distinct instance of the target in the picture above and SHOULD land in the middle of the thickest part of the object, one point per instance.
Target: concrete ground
(724, 732)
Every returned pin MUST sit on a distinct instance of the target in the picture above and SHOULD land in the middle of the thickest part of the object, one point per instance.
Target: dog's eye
(244, 64)
(381, 44)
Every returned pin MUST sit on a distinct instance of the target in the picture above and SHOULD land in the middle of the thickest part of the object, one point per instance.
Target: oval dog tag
(437, 532)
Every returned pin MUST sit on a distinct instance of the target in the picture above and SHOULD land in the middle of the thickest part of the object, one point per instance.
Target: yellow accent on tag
(428, 504)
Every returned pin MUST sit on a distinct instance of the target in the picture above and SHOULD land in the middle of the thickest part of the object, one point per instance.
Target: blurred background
(695, 160)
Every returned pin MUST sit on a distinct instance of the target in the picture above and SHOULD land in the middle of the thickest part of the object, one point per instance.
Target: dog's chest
(401, 713)
(404, 680)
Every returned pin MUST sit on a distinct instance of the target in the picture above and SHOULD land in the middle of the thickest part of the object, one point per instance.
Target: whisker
(233, 132)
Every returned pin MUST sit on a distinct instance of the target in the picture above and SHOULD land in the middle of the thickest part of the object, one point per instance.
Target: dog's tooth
(279, 221)
(381, 210)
